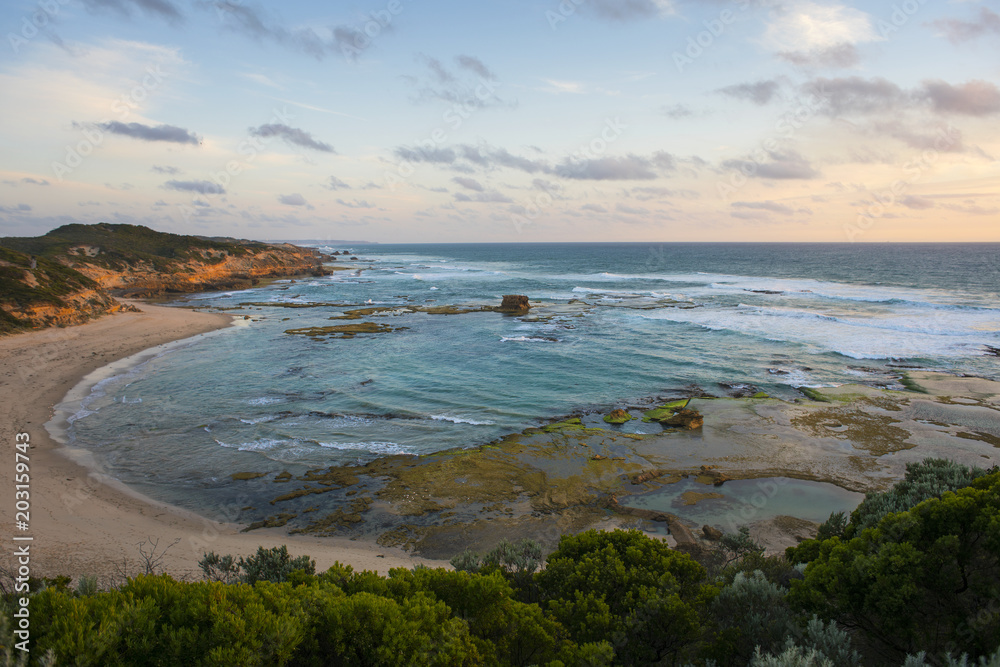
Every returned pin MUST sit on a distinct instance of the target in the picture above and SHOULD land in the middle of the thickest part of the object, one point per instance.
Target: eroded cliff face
(73, 274)
(214, 270)
(76, 308)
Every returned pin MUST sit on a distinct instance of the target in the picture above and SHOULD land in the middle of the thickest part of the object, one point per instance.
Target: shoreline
(85, 523)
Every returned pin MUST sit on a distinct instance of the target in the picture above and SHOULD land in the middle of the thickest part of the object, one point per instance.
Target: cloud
(840, 56)
(631, 210)
(469, 183)
(759, 93)
(771, 206)
(169, 133)
(593, 208)
(945, 139)
(486, 157)
(489, 197)
(294, 199)
(357, 203)
(975, 98)
(628, 10)
(201, 187)
(476, 66)
(158, 8)
(973, 209)
(262, 79)
(806, 26)
(960, 32)
(291, 135)
(678, 111)
(334, 183)
(467, 158)
(34, 181)
(250, 21)
(20, 208)
(564, 86)
(916, 202)
(629, 167)
(501, 157)
(438, 70)
(425, 154)
(170, 171)
(470, 92)
(647, 193)
(782, 165)
(855, 95)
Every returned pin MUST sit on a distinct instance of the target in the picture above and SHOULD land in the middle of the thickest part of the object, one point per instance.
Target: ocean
(624, 325)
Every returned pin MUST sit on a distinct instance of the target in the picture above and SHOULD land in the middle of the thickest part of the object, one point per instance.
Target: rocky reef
(514, 303)
(572, 473)
(73, 273)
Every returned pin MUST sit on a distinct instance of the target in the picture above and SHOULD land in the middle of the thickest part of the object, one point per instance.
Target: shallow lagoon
(743, 501)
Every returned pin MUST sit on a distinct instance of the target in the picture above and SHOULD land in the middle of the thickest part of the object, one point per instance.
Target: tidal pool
(744, 501)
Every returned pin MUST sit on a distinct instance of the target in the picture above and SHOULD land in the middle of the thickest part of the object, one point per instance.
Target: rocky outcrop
(686, 419)
(711, 533)
(205, 271)
(514, 303)
(73, 273)
(38, 292)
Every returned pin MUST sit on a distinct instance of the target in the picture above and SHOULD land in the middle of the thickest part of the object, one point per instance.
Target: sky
(520, 121)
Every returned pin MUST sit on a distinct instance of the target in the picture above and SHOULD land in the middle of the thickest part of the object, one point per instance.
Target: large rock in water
(514, 303)
(686, 419)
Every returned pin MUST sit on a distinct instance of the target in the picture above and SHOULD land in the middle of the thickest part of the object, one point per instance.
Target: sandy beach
(86, 524)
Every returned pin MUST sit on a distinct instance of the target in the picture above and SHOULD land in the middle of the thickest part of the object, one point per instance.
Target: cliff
(78, 269)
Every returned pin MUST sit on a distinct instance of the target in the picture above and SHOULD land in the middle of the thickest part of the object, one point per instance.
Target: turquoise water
(769, 317)
(746, 500)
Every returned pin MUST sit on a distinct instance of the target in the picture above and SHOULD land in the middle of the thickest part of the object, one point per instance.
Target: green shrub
(925, 479)
(833, 526)
(629, 588)
(750, 613)
(926, 579)
(791, 656)
(274, 565)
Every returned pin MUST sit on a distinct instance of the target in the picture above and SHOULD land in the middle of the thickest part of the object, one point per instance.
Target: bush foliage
(918, 586)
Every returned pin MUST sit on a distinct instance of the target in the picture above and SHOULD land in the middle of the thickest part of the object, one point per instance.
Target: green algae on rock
(275, 521)
(665, 411)
(814, 395)
(618, 417)
(340, 518)
(873, 433)
(571, 424)
(240, 476)
(343, 330)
